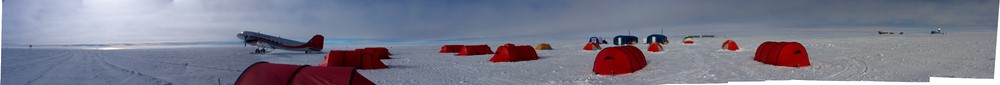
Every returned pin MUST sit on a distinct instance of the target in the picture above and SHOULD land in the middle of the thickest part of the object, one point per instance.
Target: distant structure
(880, 32)
(700, 36)
(938, 31)
(656, 38)
(29, 46)
(598, 40)
(708, 36)
(625, 39)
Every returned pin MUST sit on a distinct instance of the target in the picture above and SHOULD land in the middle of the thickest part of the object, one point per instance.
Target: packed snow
(849, 57)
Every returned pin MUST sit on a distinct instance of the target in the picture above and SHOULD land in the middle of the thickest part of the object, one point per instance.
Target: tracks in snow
(853, 70)
(60, 62)
(104, 63)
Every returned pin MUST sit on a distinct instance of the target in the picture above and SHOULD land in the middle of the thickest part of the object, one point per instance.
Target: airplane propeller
(245, 41)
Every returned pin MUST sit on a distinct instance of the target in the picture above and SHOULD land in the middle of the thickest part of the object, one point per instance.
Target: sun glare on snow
(109, 48)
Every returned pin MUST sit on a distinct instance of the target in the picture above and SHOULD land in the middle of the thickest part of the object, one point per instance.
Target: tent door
(654, 41)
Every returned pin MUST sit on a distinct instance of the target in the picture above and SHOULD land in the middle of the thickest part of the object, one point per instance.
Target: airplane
(264, 41)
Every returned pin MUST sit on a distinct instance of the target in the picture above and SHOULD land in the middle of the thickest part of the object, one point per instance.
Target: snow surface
(908, 58)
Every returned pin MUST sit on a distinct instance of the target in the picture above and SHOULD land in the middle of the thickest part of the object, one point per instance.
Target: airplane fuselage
(273, 42)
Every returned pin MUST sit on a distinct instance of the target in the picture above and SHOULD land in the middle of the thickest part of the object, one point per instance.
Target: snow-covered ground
(908, 58)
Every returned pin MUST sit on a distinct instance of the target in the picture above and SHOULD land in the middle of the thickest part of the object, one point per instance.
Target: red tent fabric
(791, 54)
(329, 76)
(730, 45)
(655, 48)
(263, 73)
(475, 50)
(619, 60)
(380, 49)
(344, 58)
(688, 40)
(512, 53)
(762, 49)
(451, 48)
(532, 55)
(592, 46)
(378, 52)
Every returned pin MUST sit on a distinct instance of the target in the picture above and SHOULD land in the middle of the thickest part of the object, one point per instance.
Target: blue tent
(625, 40)
(656, 38)
(598, 40)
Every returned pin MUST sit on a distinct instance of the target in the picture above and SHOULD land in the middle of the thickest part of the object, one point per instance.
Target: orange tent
(544, 46)
(730, 45)
(592, 46)
(512, 53)
(688, 40)
(655, 48)
(791, 54)
(263, 73)
(475, 50)
(344, 58)
(378, 52)
(451, 48)
(380, 49)
(619, 60)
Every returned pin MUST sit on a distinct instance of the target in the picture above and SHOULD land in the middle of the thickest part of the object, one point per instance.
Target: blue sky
(430, 21)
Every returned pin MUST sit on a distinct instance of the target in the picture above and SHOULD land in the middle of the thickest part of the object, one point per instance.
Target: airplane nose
(240, 35)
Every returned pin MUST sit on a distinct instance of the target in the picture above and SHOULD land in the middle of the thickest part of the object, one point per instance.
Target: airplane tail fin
(316, 42)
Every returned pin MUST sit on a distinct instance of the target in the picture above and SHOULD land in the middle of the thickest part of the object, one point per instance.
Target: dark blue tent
(597, 40)
(656, 38)
(625, 40)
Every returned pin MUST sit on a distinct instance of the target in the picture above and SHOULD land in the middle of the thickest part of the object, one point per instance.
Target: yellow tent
(544, 46)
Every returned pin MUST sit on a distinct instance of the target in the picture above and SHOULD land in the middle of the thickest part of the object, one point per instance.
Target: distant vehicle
(265, 42)
(938, 31)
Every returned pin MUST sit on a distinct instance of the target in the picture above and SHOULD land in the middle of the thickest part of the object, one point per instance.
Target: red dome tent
(344, 58)
(475, 50)
(655, 48)
(592, 46)
(791, 54)
(619, 60)
(263, 73)
(451, 48)
(688, 40)
(730, 45)
(378, 52)
(512, 53)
